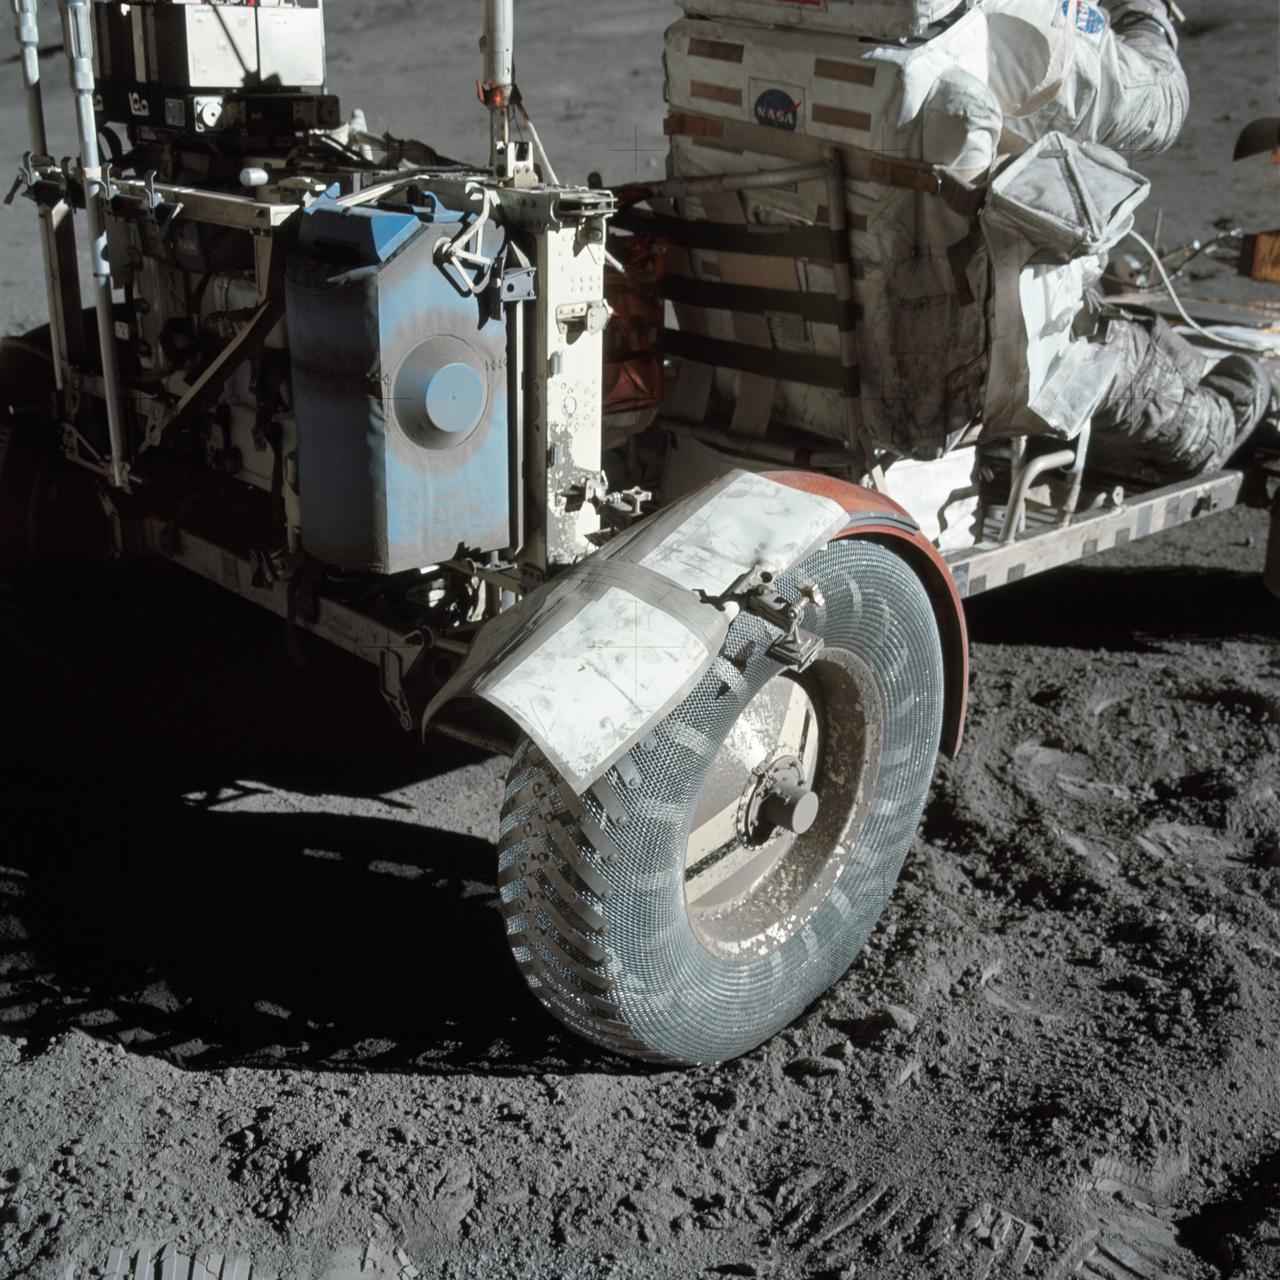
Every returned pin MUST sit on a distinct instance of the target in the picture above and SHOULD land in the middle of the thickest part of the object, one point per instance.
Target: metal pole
(856, 437)
(499, 71)
(77, 26)
(1016, 515)
(28, 33)
(27, 30)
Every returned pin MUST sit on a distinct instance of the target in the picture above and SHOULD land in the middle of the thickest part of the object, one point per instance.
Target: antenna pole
(499, 73)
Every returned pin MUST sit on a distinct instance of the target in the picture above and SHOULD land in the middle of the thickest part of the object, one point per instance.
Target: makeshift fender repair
(588, 663)
(875, 515)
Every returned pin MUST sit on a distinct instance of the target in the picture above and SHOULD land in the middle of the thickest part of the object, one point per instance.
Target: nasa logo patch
(1090, 20)
(777, 109)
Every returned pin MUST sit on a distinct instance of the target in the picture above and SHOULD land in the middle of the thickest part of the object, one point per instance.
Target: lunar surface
(257, 1009)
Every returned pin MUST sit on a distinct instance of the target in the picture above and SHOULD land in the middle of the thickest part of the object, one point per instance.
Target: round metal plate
(750, 886)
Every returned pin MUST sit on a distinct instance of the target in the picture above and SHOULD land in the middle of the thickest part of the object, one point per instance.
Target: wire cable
(1217, 341)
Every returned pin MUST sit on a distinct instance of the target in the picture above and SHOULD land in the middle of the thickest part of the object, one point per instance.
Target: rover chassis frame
(378, 632)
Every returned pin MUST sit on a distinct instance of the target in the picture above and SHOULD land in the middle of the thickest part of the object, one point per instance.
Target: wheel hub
(782, 806)
(780, 799)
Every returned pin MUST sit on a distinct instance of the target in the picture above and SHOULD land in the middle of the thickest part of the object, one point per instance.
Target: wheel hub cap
(782, 805)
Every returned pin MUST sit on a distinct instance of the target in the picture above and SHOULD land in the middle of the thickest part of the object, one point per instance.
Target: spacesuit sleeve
(1143, 97)
(1124, 86)
(1126, 13)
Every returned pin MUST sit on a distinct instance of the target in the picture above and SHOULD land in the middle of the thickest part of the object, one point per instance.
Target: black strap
(785, 366)
(817, 307)
(812, 242)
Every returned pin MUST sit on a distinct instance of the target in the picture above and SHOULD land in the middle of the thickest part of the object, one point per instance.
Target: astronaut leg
(1165, 418)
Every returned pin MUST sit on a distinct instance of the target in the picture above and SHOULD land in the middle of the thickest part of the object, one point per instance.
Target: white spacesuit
(1115, 78)
(1112, 76)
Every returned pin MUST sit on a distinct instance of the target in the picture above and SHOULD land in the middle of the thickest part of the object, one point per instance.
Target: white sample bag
(1051, 217)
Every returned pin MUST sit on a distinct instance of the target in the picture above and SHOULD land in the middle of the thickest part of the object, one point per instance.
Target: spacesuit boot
(1244, 383)
(1165, 418)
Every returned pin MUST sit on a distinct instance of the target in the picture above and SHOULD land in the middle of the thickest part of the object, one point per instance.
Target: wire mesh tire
(658, 918)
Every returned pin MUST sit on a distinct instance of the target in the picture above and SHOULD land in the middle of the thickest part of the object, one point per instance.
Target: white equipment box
(887, 19)
(784, 95)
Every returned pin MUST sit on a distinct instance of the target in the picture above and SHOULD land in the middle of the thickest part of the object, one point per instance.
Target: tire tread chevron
(557, 888)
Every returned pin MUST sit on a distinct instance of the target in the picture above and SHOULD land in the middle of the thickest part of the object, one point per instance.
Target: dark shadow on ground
(133, 910)
(1226, 1231)
(1137, 609)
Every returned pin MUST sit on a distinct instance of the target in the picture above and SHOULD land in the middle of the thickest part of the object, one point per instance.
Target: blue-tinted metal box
(400, 393)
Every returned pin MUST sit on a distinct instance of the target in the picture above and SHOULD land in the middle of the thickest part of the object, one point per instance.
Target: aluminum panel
(291, 47)
(601, 678)
(220, 49)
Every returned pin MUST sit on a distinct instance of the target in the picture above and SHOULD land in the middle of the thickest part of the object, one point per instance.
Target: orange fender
(874, 515)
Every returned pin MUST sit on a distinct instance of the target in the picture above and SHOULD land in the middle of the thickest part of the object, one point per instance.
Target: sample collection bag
(1050, 219)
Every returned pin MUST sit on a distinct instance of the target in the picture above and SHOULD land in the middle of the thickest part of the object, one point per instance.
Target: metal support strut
(1271, 572)
(77, 24)
(54, 222)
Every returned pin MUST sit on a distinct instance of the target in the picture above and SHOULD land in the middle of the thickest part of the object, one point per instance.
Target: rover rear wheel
(49, 514)
(730, 867)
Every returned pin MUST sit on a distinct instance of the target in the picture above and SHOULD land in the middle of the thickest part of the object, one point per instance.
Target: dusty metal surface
(992, 564)
(750, 884)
